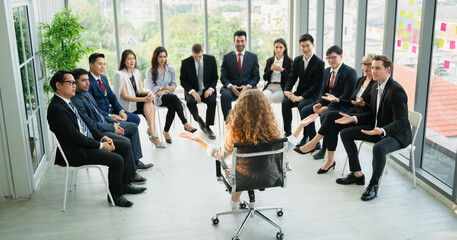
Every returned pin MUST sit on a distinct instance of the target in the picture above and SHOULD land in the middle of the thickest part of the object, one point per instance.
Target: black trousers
(210, 110)
(330, 130)
(287, 106)
(119, 162)
(383, 145)
(172, 102)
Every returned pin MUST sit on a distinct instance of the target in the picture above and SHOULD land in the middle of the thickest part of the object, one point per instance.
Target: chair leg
(160, 125)
(413, 165)
(106, 185)
(347, 158)
(244, 222)
(66, 190)
(218, 118)
(268, 220)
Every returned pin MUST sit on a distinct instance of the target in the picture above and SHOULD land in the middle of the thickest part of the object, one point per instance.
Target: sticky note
(411, 3)
(401, 25)
(409, 27)
(415, 39)
(411, 15)
(440, 43)
(419, 13)
(417, 25)
(414, 49)
(443, 27)
(446, 64)
(398, 43)
(452, 45)
(405, 46)
(403, 13)
(404, 34)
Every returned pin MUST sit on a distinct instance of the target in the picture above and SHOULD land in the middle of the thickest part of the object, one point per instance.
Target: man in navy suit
(239, 72)
(122, 130)
(339, 80)
(199, 78)
(102, 93)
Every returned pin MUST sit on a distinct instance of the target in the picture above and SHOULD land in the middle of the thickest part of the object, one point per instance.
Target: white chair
(158, 108)
(72, 170)
(414, 120)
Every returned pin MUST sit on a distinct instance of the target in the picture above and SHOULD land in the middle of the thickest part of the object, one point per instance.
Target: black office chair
(259, 167)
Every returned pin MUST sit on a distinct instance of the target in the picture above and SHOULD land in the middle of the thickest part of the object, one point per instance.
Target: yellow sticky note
(411, 3)
(417, 25)
(411, 15)
(404, 34)
(405, 46)
(401, 25)
(440, 43)
(455, 29)
(419, 13)
(403, 13)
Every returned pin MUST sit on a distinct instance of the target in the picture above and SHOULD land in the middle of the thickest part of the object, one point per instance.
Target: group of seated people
(96, 126)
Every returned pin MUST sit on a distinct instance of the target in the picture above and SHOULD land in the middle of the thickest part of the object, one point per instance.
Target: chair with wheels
(71, 171)
(258, 167)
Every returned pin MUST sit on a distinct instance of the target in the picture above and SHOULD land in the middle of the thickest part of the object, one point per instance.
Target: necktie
(239, 61)
(332, 79)
(101, 85)
(81, 122)
(378, 103)
(99, 115)
(200, 78)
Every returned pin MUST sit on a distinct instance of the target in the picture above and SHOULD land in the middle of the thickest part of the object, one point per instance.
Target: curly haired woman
(252, 120)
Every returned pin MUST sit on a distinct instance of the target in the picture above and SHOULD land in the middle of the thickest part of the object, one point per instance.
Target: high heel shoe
(322, 171)
(168, 140)
(297, 149)
(152, 138)
(192, 131)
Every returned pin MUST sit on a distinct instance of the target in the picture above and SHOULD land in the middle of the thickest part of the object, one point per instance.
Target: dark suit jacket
(392, 113)
(310, 79)
(87, 110)
(105, 103)
(366, 95)
(343, 85)
(249, 70)
(63, 122)
(286, 64)
(189, 79)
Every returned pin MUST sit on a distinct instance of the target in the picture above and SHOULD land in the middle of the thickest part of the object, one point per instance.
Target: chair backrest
(59, 148)
(258, 166)
(415, 121)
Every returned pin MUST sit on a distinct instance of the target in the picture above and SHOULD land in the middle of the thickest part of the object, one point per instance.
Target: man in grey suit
(239, 72)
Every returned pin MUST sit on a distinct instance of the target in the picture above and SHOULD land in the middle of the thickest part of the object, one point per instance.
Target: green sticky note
(404, 34)
(401, 25)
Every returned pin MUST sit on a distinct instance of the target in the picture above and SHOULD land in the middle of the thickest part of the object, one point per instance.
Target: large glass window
(440, 147)
(312, 18)
(349, 31)
(375, 27)
(329, 26)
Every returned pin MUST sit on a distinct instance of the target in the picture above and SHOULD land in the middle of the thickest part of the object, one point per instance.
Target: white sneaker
(234, 204)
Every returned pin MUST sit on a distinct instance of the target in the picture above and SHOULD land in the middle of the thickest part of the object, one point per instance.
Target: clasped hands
(119, 117)
(107, 144)
(206, 94)
(238, 90)
(118, 130)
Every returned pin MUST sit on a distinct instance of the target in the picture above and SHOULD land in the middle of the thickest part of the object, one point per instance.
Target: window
(375, 27)
(329, 26)
(312, 18)
(349, 33)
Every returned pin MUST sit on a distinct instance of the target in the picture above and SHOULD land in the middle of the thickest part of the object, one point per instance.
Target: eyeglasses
(71, 82)
(332, 58)
(366, 65)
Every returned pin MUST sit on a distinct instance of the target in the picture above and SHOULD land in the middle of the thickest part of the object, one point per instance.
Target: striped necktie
(83, 124)
(99, 115)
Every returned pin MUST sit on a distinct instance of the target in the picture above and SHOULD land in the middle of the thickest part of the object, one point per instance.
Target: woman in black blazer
(329, 128)
(277, 71)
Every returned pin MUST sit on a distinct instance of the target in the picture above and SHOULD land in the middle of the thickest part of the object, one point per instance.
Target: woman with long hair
(132, 95)
(277, 71)
(252, 120)
(161, 81)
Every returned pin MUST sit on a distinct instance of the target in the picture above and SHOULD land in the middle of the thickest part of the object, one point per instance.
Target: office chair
(258, 167)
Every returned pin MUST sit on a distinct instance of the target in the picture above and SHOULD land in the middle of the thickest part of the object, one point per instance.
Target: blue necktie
(99, 115)
(83, 124)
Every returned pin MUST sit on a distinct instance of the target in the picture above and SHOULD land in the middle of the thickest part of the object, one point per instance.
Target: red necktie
(101, 84)
(332, 79)
(239, 61)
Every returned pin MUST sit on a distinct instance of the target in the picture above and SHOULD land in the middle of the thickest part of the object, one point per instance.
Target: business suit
(267, 72)
(310, 81)
(392, 116)
(87, 107)
(81, 150)
(231, 75)
(106, 100)
(343, 88)
(189, 81)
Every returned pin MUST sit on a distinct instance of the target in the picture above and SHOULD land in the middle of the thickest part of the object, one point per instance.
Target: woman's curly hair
(252, 119)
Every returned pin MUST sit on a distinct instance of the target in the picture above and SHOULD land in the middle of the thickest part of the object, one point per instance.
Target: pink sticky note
(398, 43)
(409, 27)
(452, 45)
(446, 64)
(443, 27)
(414, 49)
(414, 39)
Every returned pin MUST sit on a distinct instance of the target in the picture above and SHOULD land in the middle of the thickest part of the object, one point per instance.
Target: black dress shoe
(209, 133)
(302, 142)
(130, 189)
(322, 171)
(120, 201)
(192, 131)
(370, 192)
(350, 179)
(201, 123)
(321, 153)
(297, 149)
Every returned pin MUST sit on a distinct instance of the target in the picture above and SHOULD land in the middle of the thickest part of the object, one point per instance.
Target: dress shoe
(130, 189)
(370, 192)
(321, 153)
(143, 167)
(201, 123)
(350, 179)
(322, 171)
(209, 133)
(120, 201)
(302, 142)
(318, 146)
(152, 138)
(139, 179)
(192, 131)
